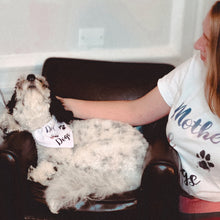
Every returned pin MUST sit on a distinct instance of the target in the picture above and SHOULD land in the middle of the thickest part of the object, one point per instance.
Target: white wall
(125, 30)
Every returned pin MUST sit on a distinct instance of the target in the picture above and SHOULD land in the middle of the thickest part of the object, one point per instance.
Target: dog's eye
(18, 86)
(43, 83)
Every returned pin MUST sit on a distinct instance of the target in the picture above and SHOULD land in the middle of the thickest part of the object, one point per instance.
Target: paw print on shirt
(205, 160)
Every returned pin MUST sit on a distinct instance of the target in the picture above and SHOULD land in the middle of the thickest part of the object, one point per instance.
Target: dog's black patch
(57, 109)
(11, 104)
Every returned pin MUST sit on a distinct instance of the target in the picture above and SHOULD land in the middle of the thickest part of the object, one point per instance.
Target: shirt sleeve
(170, 85)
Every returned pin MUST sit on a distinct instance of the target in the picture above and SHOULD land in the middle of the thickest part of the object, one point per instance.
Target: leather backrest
(102, 80)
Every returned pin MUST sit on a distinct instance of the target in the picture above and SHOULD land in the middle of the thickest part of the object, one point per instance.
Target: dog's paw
(30, 173)
(8, 124)
(54, 206)
(43, 173)
(4, 131)
(60, 195)
(2, 135)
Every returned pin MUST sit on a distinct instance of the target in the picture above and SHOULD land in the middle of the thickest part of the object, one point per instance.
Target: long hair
(212, 85)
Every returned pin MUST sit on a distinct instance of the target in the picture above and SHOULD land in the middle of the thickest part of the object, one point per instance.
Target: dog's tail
(3, 98)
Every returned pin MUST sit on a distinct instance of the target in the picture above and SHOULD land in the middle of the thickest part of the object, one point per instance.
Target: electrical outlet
(91, 37)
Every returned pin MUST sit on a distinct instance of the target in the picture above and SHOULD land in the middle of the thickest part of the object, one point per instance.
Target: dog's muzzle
(31, 78)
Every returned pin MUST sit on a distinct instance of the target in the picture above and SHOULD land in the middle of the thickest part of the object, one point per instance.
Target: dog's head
(33, 103)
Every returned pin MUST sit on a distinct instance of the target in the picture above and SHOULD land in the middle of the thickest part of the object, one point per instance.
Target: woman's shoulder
(196, 62)
(197, 69)
(193, 63)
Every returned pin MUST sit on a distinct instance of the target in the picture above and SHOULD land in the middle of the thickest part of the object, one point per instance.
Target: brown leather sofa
(157, 197)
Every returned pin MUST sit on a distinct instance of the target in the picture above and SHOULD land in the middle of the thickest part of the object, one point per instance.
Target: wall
(125, 30)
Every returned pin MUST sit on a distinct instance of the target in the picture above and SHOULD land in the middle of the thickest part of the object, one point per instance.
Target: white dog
(86, 159)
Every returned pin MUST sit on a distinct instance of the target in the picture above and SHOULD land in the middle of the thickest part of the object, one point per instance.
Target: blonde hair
(212, 85)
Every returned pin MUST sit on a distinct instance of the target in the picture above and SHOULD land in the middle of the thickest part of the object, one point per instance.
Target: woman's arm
(141, 111)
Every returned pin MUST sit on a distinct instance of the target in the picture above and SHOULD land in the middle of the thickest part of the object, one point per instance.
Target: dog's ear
(57, 109)
(11, 104)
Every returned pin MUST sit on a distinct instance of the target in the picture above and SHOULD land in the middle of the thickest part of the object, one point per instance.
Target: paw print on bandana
(205, 160)
(63, 127)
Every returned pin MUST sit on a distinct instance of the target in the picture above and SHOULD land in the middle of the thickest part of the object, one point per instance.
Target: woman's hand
(66, 102)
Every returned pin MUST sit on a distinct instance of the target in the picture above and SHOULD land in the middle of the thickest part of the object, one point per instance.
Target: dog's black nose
(31, 77)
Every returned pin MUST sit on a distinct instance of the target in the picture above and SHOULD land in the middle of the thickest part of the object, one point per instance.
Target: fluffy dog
(77, 160)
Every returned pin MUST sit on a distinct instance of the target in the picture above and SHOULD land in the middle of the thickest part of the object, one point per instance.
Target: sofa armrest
(17, 153)
(159, 192)
(22, 146)
(160, 154)
(9, 192)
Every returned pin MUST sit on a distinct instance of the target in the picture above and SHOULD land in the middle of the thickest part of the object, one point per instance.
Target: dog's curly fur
(107, 157)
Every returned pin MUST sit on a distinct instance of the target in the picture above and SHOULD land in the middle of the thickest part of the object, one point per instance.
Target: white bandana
(54, 134)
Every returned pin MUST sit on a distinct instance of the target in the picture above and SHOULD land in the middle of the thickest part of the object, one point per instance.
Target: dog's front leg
(8, 124)
(43, 173)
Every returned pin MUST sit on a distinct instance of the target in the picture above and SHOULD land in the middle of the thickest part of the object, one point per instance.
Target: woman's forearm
(135, 112)
(114, 110)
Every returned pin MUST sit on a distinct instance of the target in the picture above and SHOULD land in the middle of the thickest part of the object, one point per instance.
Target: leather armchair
(157, 197)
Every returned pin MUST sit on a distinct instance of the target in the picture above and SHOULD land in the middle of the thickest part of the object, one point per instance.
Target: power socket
(91, 37)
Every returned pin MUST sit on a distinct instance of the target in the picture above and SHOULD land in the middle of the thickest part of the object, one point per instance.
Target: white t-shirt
(192, 129)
